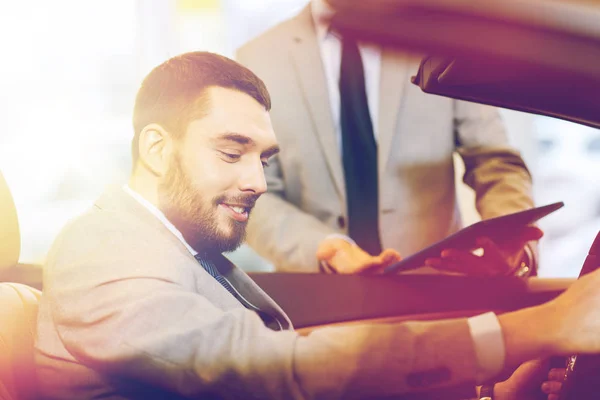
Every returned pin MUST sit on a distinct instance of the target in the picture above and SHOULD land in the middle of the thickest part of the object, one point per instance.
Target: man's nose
(253, 179)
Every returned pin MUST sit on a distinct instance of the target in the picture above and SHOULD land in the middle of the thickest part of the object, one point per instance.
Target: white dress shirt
(330, 46)
(161, 217)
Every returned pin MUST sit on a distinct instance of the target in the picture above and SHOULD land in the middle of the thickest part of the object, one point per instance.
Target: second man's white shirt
(330, 47)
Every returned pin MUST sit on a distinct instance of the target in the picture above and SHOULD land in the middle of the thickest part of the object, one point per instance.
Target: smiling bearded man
(196, 216)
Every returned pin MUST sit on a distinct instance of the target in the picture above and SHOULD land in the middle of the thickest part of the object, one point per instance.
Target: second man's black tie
(359, 152)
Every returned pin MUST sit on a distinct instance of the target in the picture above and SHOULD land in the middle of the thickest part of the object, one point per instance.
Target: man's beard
(196, 218)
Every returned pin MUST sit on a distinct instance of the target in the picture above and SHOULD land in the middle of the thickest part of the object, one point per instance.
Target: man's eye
(265, 163)
(231, 156)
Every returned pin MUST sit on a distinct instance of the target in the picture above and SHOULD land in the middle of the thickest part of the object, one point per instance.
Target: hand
(497, 259)
(554, 383)
(574, 324)
(524, 383)
(566, 325)
(347, 258)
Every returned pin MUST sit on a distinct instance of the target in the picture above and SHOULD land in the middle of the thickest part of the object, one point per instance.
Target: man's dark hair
(172, 95)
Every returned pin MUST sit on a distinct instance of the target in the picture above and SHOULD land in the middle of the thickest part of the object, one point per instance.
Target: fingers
(530, 233)
(465, 262)
(389, 256)
(325, 252)
(557, 374)
(517, 239)
(490, 248)
(330, 246)
(378, 263)
(351, 261)
(495, 259)
(347, 258)
(551, 387)
(458, 256)
(449, 265)
(493, 262)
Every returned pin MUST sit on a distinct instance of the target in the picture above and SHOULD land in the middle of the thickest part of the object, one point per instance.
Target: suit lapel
(117, 199)
(251, 291)
(308, 66)
(393, 81)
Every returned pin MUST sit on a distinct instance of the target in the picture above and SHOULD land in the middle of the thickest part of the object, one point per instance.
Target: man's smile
(236, 211)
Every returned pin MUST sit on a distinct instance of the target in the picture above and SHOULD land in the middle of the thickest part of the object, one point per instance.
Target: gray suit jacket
(417, 136)
(127, 312)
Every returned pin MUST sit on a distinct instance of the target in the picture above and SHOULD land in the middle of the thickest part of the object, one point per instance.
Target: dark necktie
(212, 271)
(359, 152)
(269, 320)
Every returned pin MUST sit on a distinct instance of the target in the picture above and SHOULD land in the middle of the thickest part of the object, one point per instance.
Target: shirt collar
(321, 13)
(158, 214)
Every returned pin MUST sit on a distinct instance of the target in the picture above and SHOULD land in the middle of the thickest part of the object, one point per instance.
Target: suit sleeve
(141, 322)
(493, 169)
(278, 230)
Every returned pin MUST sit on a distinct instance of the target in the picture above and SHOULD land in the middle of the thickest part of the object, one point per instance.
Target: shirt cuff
(340, 236)
(489, 345)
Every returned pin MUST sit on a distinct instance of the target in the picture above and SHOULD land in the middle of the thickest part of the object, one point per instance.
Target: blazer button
(341, 222)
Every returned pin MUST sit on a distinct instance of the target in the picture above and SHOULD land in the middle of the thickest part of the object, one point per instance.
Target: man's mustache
(244, 200)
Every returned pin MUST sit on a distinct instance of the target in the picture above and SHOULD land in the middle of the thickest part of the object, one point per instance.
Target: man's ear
(155, 147)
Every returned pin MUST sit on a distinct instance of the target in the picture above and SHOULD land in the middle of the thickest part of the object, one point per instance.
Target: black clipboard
(498, 229)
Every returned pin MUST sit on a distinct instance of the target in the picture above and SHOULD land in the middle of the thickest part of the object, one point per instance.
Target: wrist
(529, 334)
(341, 236)
(557, 334)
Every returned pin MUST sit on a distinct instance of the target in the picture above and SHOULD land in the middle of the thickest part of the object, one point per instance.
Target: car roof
(537, 56)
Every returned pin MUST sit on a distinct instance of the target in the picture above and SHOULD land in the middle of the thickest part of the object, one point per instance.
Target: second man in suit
(367, 155)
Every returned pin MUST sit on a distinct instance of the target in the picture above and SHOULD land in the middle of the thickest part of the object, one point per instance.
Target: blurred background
(68, 77)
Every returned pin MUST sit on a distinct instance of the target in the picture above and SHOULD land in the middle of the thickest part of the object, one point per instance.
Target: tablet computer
(498, 229)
